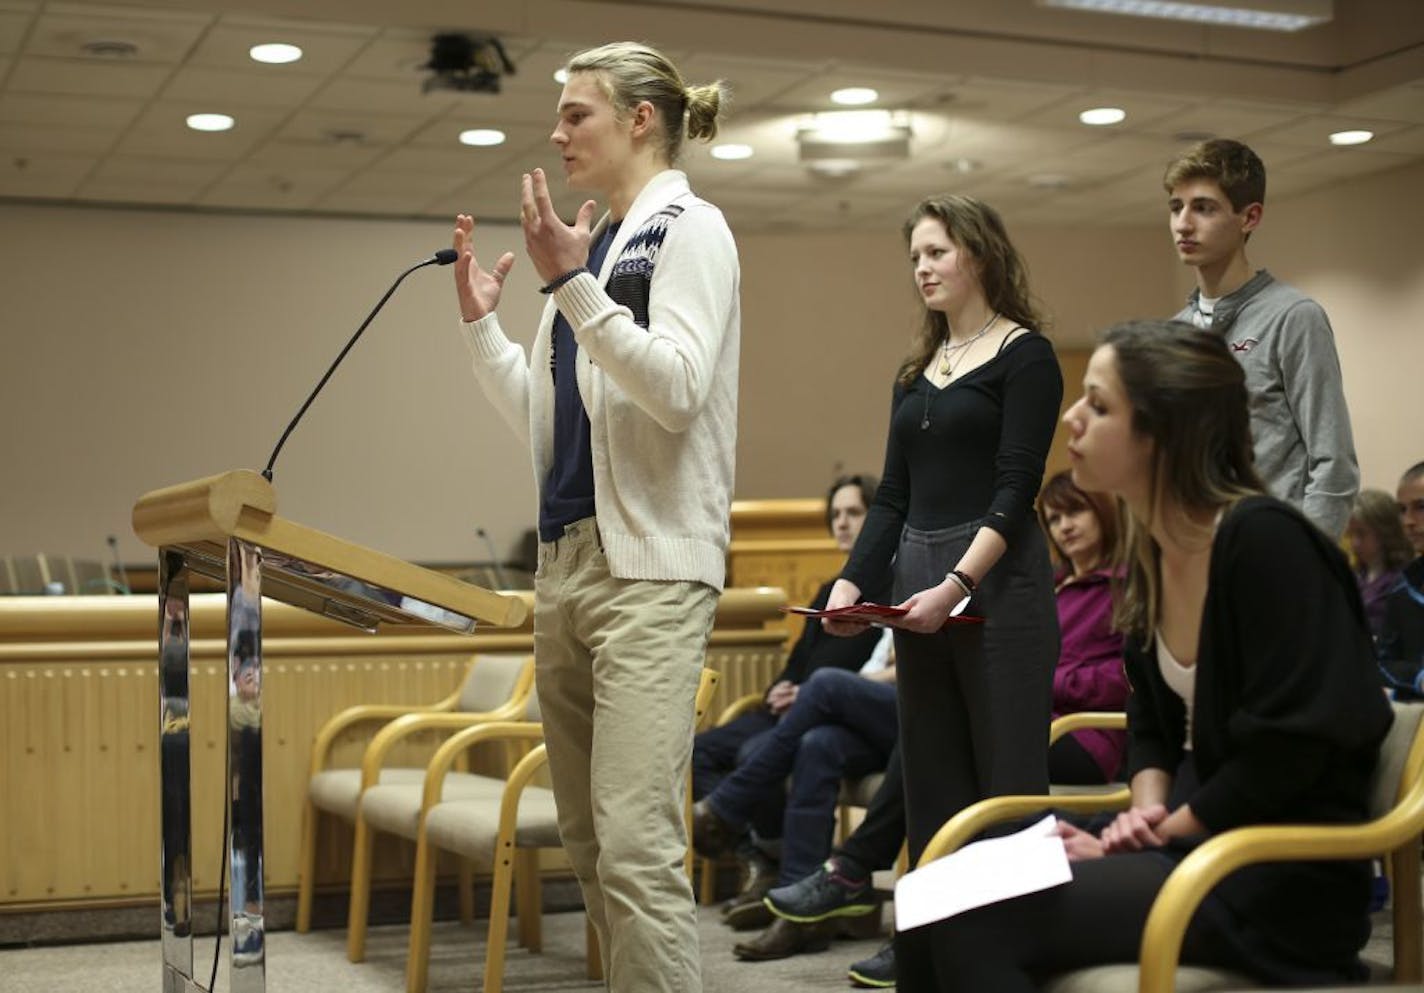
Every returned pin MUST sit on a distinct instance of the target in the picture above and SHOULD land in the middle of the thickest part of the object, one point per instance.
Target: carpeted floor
(301, 963)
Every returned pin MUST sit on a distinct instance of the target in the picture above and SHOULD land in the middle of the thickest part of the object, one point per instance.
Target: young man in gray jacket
(1304, 448)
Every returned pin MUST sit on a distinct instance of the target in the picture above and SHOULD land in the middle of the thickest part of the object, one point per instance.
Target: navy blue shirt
(567, 493)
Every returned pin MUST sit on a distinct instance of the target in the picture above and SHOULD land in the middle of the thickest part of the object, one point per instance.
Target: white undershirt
(879, 659)
(1203, 310)
(1180, 679)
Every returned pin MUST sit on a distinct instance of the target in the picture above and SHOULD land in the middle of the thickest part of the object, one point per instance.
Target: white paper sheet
(982, 873)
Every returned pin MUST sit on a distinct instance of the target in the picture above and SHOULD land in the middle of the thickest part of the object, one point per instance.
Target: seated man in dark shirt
(716, 752)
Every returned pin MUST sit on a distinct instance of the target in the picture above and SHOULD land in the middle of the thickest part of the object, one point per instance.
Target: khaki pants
(617, 663)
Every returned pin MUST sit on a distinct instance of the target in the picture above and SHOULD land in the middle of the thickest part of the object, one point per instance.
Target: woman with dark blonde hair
(1255, 698)
(1381, 551)
(629, 400)
(972, 415)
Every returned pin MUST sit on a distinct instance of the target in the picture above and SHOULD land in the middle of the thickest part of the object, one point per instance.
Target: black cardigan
(1288, 719)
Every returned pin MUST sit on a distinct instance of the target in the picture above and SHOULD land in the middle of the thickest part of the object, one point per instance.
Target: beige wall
(144, 348)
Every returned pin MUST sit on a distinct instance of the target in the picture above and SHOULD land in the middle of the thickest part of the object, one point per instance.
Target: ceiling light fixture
(1351, 137)
(1263, 15)
(856, 135)
(855, 96)
(274, 53)
(210, 122)
(732, 152)
(561, 76)
(1101, 117)
(482, 137)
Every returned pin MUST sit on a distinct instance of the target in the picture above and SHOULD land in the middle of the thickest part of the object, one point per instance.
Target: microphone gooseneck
(444, 256)
(494, 558)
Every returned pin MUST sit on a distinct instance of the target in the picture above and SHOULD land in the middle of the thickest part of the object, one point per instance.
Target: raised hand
(553, 246)
(478, 289)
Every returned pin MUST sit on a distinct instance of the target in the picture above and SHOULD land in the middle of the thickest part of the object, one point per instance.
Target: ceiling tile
(14, 25)
(44, 138)
(895, 89)
(325, 48)
(254, 87)
(161, 37)
(382, 97)
(78, 77)
(161, 130)
(41, 108)
(753, 82)
(272, 189)
(1003, 99)
(1402, 103)
(1314, 132)
(42, 174)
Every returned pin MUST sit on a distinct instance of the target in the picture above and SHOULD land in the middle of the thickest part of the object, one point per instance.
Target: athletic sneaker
(825, 893)
(878, 971)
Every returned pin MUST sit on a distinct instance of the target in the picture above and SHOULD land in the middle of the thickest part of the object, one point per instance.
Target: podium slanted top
(306, 567)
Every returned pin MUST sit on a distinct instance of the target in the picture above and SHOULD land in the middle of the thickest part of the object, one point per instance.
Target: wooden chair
(1397, 812)
(505, 828)
(495, 687)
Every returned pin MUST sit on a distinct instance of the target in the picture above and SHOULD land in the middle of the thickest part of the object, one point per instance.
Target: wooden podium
(226, 527)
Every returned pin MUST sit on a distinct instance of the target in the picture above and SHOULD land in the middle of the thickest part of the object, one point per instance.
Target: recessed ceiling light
(1099, 117)
(1049, 181)
(482, 137)
(964, 165)
(732, 153)
(1351, 137)
(561, 76)
(833, 168)
(855, 96)
(275, 53)
(210, 122)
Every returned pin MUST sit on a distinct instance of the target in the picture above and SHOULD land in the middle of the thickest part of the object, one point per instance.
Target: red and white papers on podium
(877, 613)
(982, 873)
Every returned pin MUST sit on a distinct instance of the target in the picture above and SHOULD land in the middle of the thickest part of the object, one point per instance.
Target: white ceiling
(347, 130)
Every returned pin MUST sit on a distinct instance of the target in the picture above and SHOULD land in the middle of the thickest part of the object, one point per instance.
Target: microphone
(119, 565)
(443, 257)
(494, 558)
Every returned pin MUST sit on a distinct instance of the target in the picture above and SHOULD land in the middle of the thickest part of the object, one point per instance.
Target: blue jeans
(840, 725)
(717, 751)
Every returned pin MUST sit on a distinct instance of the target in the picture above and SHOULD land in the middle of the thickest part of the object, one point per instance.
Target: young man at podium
(629, 400)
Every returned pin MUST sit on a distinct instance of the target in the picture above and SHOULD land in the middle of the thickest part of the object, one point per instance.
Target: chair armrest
(445, 755)
(1218, 857)
(964, 826)
(1107, 720)
(364, 713)
(405, 726)
(738, 707)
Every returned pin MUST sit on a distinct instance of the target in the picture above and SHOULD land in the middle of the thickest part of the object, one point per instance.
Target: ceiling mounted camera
(466, 64)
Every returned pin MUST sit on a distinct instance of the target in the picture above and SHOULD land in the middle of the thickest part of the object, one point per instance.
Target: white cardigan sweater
(661, 402)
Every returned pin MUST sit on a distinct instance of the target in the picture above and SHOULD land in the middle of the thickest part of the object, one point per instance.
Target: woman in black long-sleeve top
(1255, 699)
(972, 417)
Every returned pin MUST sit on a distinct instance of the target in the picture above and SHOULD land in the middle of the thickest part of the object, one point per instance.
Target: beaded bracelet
(558, 281)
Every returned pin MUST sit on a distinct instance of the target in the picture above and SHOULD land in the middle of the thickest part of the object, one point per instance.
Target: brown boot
(746, 911)
(782, 940)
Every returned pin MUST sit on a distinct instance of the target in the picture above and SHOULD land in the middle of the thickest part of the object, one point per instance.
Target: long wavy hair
(978, 230)
(1188, 395)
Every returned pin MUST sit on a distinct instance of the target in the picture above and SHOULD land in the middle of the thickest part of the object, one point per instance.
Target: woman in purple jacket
(1082, 531)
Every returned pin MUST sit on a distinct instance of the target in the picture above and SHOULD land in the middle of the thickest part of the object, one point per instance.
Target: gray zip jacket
(1304, 448)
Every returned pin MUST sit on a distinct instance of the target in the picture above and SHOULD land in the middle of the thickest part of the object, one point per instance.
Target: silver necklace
(948, 363)
(947, 366)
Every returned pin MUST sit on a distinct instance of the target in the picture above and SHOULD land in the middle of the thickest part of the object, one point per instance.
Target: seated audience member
(841, 725)
(1082, 532)
(716, 752)
(1376, 539)
(1400, 643)
(1254, 697)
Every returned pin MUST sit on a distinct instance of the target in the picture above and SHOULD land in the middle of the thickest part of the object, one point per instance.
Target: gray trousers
(975, 701)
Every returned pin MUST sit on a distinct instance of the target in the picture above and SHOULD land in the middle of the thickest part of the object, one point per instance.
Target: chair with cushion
(1393, 832)
(496, 687)
(502, 827)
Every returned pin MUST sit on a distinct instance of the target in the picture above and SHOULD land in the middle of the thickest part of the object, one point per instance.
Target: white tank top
(1180, 679)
